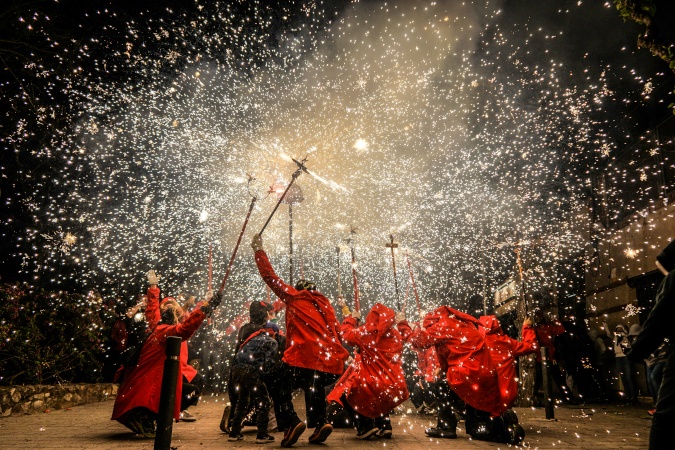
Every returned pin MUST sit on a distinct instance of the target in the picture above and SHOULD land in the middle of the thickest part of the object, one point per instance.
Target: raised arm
(349, 331)
(529, 343)
(152, 314)
(284, 291)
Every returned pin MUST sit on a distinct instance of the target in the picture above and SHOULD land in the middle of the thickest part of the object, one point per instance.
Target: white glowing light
(361, 145)
(203, 216)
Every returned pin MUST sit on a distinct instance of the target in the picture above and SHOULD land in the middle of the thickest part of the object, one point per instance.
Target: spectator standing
(655, 330)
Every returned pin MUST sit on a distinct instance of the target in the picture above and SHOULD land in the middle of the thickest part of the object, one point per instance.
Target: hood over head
(258, 312)
(380, 319)
(491, 324)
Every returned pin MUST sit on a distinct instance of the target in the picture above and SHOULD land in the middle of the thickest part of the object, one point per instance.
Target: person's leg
(287, 417)
(307, 380)
(365, 426)
(657, 377)
(316, 401)
(262, 402)
(190, 395)
(241, 379)
(415, 390)
(447, 422)
(660, 435)
(383, 423)
(228, 412)
(558, 376)
(626, 373)
(429, 395)
(651, 387)
(280, 385)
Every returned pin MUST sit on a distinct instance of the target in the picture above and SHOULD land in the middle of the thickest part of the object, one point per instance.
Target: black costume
(656, 328)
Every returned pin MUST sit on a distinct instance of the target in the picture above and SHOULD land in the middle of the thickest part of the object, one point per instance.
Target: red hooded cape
(374, 383)
(462, 353)
(503, 352)
(546, 334)
(427, 363)
(312, 330)
(153, 316)
(142, 385)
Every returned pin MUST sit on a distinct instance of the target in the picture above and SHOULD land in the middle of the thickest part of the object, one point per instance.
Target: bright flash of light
(361, 145)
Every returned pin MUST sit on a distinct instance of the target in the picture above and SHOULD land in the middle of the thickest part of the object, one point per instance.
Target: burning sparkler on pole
(254, 198)
(301, 168)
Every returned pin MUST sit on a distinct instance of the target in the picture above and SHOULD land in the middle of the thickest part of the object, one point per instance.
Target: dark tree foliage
(658, 36)
(48, 338)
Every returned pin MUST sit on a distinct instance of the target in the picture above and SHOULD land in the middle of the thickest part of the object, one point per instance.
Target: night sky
(129, 129)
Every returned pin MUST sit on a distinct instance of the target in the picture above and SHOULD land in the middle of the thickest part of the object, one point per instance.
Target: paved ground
(90, 427)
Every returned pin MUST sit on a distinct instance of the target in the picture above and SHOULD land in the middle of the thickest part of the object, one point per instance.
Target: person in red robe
(374, 384)
(465, 360)
(137, 402)
(191, 392)
(428, 370)
(313, 359)
(547, 331)
(504, 352)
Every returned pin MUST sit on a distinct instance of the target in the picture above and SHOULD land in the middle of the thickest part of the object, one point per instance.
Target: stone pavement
(89, 427)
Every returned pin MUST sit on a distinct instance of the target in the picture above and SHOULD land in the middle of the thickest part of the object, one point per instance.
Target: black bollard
(546, 381)
(167, 398)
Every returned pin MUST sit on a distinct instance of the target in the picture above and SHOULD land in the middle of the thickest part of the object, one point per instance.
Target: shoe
(517, 434)
(185, 416)
(235, 437)
(482, 432)
(510, 417)
(225, 420)
(651, 412)
(384, 433)
(293, 433)
(142, 425)
(321, 433)
(133, 425)
(439, 432)
(368, 434)
(264, 439)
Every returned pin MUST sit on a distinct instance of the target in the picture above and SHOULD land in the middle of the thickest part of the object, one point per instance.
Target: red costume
(427, 364)
(142, 385)
(546, 333)
(463, 355)
(503, 352)
(374, 383)
(312, 330)
(153, 316)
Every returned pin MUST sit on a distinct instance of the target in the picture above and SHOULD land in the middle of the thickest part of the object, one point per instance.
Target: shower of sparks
(433, 119)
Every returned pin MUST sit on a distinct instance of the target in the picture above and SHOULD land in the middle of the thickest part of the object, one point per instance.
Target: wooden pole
(290, 242)
(392, 245)
(236, 247)
(357, 300)
(337, 250)
(209, 287)
(412, 278)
